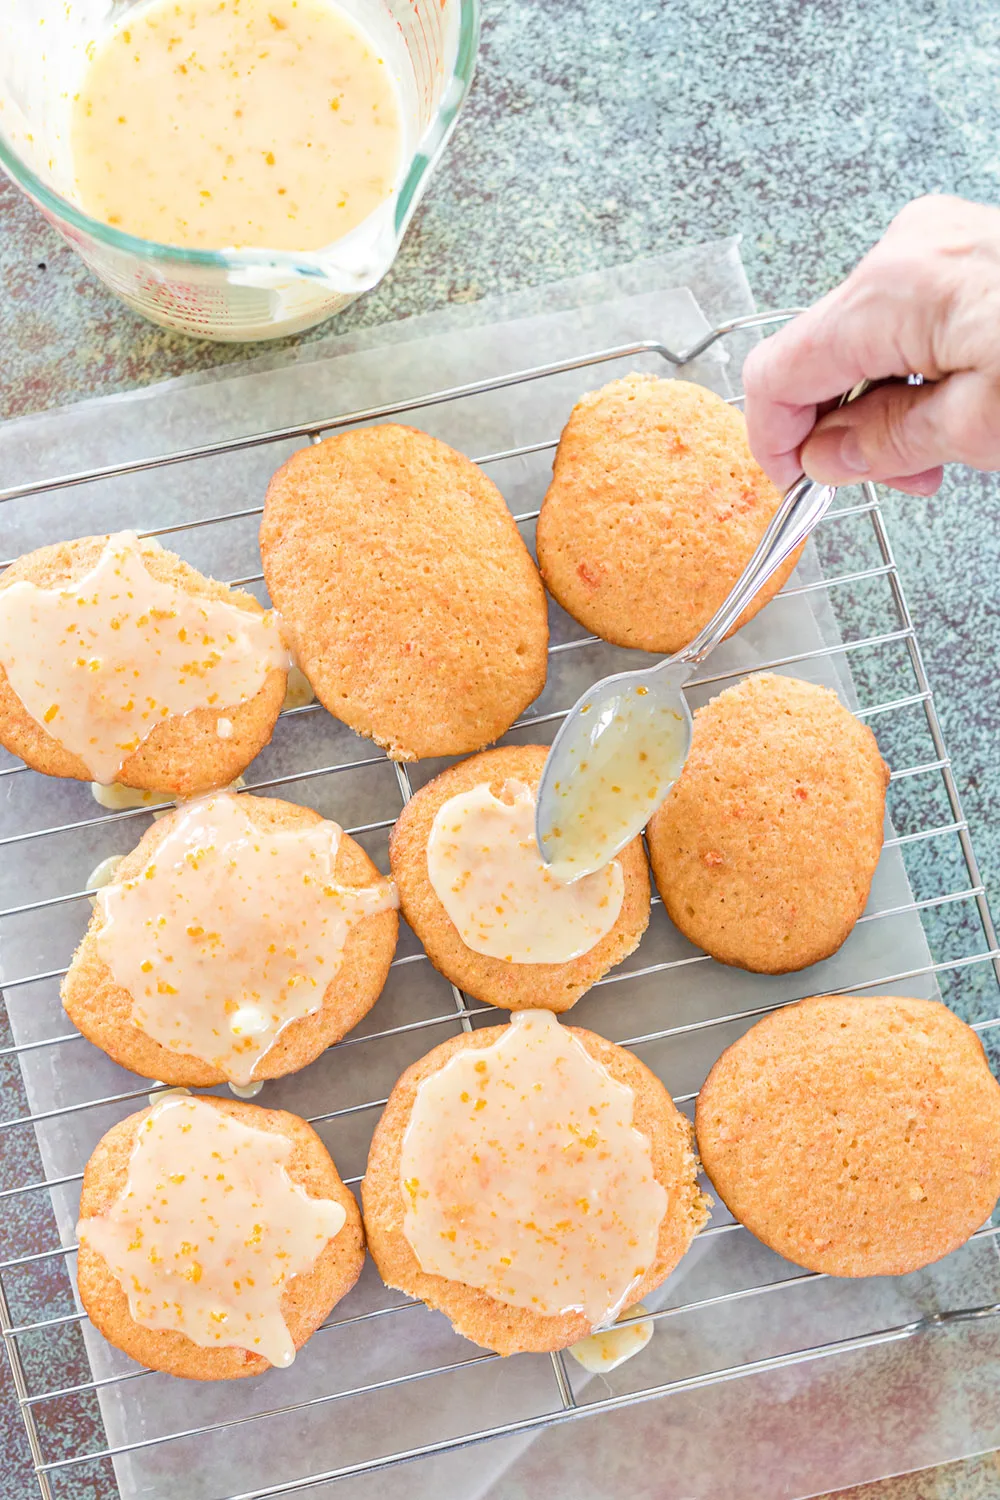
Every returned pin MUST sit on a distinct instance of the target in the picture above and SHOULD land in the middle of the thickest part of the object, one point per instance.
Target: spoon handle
(804, 504)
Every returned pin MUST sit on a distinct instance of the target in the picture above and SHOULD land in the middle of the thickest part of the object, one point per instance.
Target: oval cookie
(765, 848)
(857, 1136)
(553, 986)
(409, 598)
(655, 507)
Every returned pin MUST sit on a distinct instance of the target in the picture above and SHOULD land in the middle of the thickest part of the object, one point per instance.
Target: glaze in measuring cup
(228, 295)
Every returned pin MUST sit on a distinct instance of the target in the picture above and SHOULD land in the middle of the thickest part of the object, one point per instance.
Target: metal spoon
(622, 745)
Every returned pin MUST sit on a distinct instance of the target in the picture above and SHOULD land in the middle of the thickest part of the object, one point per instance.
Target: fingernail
(927, 483)
(833, 454)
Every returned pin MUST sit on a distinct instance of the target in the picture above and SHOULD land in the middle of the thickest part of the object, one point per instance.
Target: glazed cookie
(855, 1136)
(530, 1181)
(474, 890)
(411, 602)
(120, 663)
(765, 848)
(255, 1237)
(654, 510)
(240, 938)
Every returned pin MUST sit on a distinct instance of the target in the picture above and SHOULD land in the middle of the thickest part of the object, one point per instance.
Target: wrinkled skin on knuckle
(945, 253)
(755, 373)
(974, 426)
(874, 309)
(888, 441)
(901, 302)
(969, 339)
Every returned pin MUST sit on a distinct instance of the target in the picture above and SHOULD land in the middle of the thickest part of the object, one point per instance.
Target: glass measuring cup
(227, 295)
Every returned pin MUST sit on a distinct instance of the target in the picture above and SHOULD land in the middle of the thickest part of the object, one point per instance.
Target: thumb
(901, 432)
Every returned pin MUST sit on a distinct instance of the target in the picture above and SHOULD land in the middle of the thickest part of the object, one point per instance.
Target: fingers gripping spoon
(623, 744)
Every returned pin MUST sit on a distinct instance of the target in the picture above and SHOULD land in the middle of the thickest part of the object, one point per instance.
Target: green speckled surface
(599, 132)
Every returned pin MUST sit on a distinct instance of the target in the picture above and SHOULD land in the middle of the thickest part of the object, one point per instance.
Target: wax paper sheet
(777, 1433)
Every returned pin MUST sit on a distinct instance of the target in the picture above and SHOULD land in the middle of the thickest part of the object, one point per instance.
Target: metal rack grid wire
(568, 1403)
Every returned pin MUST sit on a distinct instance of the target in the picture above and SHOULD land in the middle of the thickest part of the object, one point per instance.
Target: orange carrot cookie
(253, 1240)
(654, 510)
(530, 1181)
(240, 938)
(120, 663)
(855, 1136)
(765, 848)
(411, 602)
(474, 889)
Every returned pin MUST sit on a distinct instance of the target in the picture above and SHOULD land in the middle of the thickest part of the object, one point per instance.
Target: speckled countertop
(599, 132)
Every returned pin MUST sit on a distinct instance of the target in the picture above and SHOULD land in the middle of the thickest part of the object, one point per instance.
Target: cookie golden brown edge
(856, 1136)
(474, 1313)
(102, 1009)
(406, 591)
(515, 986)
(182, 756)
(765, 848)
(655, 507)
(308, 1297)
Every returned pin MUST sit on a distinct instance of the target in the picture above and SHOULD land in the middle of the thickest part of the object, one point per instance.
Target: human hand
(925, 300)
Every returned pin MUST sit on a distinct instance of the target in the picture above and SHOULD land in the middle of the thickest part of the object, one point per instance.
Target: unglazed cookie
(530, 1181)
(187, 674)
(241, 962)
(765, 848)
(553, 911)
(855, 1136)
(212, 1261)
(409, 598)
(655, 507)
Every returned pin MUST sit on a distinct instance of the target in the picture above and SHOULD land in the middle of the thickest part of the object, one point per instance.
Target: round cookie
(765, 848)
(855, 1136)
(515, 986)
(102, 1010)
(655, 507)
(411, 602)
(183, 755)
(473, 1312)
(308, 1298)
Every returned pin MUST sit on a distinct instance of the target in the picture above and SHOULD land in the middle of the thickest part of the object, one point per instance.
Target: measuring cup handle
(803, 505)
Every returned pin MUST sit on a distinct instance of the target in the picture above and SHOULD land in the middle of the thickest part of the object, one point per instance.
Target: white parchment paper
(383, 1356)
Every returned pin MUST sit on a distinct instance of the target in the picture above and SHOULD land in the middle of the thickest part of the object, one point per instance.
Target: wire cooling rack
(941, 905)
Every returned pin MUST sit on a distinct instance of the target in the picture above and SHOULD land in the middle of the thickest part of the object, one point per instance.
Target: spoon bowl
(628, 737)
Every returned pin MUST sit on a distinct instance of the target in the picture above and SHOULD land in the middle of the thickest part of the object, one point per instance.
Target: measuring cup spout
(349, 266)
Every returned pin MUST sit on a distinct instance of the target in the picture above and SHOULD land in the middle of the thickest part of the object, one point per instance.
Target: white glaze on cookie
(231, 931)
(209, 1229)
(523, 1174)
(487, 873)
(101, 661)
